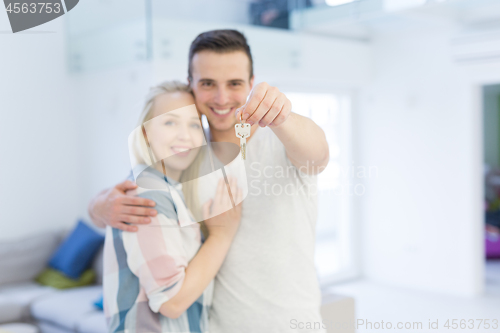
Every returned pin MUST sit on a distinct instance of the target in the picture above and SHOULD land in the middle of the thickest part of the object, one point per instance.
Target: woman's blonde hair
(140, 154)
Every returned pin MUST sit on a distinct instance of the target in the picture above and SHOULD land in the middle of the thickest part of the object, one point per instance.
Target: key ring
(241, 120)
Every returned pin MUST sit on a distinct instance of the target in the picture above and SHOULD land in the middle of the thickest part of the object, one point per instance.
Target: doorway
(491, 162)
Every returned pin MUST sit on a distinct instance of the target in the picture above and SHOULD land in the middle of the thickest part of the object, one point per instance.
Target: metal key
(243, 148)
(243, 132)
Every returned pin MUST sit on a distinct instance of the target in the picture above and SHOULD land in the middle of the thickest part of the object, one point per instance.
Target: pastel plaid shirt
(144, 269)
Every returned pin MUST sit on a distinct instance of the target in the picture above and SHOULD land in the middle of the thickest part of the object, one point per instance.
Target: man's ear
(252, 79)
(189, 82)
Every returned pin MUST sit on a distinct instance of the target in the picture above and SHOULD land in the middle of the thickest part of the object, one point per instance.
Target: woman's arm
(155, 252)
(205, 265)
(200, 271)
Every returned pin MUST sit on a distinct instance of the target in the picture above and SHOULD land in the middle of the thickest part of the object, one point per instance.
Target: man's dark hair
(220, 41)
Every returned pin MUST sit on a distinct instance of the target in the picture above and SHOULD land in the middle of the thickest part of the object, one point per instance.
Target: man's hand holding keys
(266, 106)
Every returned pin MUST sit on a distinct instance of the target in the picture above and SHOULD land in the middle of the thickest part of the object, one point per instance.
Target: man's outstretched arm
(114, 208)
(304, 140)
(305, 143)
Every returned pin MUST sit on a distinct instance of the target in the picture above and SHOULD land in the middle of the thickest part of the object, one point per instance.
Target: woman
(159, 279)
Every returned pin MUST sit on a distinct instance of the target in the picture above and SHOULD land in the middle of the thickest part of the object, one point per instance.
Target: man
(268, 281)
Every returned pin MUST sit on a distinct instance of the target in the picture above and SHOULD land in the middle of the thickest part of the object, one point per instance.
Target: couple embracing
(249, 265)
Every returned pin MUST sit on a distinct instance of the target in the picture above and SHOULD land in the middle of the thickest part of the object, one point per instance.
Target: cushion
(46, 327)
(51, 277)
(10, 311)
(23, 259)
(67, 308)
(18, 328)
(93, 322)
(15, 300)
(99, 303)
(77, 251)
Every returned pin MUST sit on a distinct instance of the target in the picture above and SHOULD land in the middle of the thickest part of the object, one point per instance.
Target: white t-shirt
(268, 281)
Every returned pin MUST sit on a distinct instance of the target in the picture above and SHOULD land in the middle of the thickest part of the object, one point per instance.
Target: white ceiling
(363, 19)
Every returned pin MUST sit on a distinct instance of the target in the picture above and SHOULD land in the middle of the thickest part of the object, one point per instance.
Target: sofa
(73, 310)
(51, 310)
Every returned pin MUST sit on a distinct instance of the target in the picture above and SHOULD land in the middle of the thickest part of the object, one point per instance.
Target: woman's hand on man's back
(221, 219)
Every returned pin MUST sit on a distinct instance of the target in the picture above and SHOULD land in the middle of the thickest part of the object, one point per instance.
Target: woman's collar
(153, 171)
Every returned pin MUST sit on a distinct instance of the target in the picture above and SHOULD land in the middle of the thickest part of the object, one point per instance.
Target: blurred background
(407, 92)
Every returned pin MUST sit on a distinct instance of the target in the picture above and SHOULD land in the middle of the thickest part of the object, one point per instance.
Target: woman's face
(173, 133)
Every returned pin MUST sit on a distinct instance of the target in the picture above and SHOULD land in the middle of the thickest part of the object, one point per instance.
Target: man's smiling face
(221, 83)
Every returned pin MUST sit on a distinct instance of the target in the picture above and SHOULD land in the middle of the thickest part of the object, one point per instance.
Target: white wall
(109, 103)
(420, 123)
(225, 11)
(39, 169)
(281, 57)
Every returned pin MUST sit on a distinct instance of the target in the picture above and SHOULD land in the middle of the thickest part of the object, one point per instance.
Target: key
(243, 148)
(243, 132)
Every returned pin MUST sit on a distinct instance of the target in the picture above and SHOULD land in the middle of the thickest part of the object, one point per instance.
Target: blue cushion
(98, 302)
(76, 253)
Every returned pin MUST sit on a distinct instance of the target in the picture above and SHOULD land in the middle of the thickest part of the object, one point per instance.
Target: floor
(408, 308)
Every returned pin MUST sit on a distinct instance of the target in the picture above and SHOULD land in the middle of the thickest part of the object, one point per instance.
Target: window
(334, 255)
